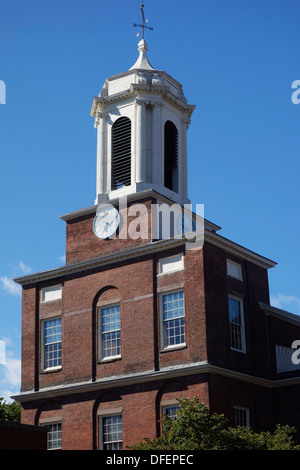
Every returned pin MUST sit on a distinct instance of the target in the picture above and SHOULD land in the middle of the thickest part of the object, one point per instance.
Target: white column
(101, 155)
(157, 177)
(141, 142)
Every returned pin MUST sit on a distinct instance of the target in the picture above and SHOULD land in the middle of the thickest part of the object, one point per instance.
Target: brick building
(134, 319)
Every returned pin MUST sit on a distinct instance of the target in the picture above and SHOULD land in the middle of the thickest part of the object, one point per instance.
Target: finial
(142, 62)
(143, 24)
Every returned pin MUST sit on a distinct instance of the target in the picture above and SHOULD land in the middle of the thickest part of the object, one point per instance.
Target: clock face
(185, 224)
(106, 221)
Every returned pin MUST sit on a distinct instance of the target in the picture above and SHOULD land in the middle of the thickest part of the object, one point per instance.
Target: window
(173, 319)
(241, 416)
(171, 264)
(171, 411)
(111, 432)
(48, 294)
(236, 321)
(53, 436)
(234, 270)
(51, 353)
(121, 153)
(171, 156)
(110, 327)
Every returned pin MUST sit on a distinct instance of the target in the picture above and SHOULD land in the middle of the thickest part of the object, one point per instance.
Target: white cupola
(142, 118)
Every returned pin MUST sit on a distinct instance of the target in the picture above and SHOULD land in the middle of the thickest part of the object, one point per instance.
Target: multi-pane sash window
(112, 432)
(53, 436)
(171, 411)
(241, 416)
(52, 343)
(173, 319)
(110, 324)
(236, 321)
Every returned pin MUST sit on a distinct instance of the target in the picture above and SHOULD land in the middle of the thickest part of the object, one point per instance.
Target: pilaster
(157, 160)
(102, 173)
(141, 141)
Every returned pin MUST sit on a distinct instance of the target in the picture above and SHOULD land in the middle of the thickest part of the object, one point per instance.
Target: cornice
(152, 247)
(112, 258)
(238, 250)
(281, 314)
(134, 90)
(210, 236)
(181, 370)
(135, 196)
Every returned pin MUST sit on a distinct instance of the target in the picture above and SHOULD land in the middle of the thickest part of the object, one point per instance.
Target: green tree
(10, 411)
(195, 428)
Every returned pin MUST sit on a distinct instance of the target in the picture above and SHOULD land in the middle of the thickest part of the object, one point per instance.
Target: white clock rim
(115, 226)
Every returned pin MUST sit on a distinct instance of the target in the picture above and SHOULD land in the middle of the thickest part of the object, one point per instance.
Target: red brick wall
(141, 410)
(140, 326)
(29, 306)
(141, 406)
(137, 286)
(251, 290)
(225, 393)
(82, 244)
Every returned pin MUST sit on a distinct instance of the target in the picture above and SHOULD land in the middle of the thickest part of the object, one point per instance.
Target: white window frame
(44, 291)
(43, 368)
(100, 342)
(107, 414)
(242, 326)
(236, 265)
(162, 336)
(166, 407)
(52, 423)
(178, 264)
(244, 410)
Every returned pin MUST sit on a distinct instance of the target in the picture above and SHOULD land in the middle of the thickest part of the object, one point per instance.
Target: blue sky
(236, 60)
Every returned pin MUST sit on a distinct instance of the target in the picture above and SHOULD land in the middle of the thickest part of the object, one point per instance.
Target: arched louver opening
(171, 156)
(121, 153)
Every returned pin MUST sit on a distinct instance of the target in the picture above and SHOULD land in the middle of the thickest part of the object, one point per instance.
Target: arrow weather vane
(144, 22)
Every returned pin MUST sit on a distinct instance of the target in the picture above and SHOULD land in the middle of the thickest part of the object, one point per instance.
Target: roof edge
(279, 313)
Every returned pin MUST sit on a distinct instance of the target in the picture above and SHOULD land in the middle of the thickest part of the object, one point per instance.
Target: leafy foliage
(195, 428)
(10, 411)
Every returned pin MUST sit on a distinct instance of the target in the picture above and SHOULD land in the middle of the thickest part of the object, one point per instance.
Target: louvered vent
(121, 153)
(171, 156)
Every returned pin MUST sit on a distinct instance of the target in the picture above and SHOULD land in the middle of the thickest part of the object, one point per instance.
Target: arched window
(121, 153)
(171, 156)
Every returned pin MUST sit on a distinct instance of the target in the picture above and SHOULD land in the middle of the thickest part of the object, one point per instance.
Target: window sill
(170, 272)
(46, 302)
(174, 348)
(234, 277)
(110, 359)
(243, 351)
(51, 369)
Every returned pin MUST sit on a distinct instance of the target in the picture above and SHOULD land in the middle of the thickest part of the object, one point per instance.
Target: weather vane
(144, 23)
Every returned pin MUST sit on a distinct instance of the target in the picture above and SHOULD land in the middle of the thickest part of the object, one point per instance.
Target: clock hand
(114, 219)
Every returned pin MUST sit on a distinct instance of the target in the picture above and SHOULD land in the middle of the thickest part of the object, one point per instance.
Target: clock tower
(134, 322)
(142, 118)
